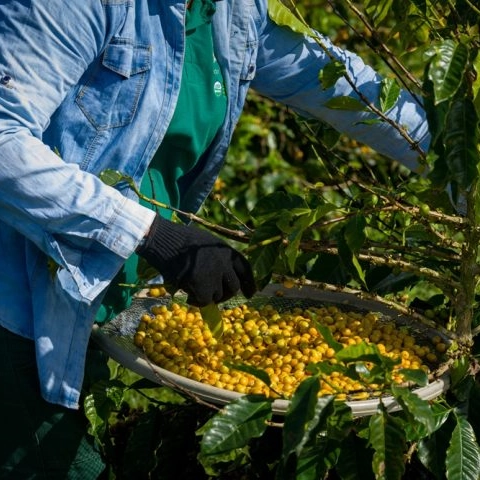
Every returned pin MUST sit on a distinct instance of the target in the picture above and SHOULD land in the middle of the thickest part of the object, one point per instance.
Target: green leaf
(389, 93)
(105, 396)
(291, 252)
(274, 203)
(349, 259)
(213, 318)
(340, 422)
(215, 465)
(463, 454)
(377, 10)
(308, 461)
(461, 140)
(310, 465)
(416, 431)
(111, 177)
(447, 68)
(300, 411)
(353, 240)
(235, 425)
(307, 217)
(328, 337)
(283, 16)
(346, 103)
(476, 84)
(417, 376)
(387, 438)
(263, 257)
(361, 352)
(355, 232)
(419, 410)
(355, 460)
(330, 74)
(326, 135)
(432, 449)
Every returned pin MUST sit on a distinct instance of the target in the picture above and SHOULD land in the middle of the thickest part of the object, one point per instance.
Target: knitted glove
(199, 263)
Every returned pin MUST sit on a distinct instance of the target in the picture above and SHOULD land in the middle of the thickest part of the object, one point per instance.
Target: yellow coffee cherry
(281, 343)
(157, 291)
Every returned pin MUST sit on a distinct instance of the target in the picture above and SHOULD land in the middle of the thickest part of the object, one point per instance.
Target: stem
(447, 285)
(237, 235)
(464, 301)
(473, 7)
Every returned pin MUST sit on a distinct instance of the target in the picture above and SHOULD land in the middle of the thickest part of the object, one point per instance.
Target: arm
(66, 212)
(295, 61)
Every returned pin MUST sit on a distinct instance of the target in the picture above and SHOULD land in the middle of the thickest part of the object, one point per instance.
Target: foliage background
(153, 433)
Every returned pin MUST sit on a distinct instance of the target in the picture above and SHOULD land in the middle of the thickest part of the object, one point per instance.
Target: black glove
(199, 263)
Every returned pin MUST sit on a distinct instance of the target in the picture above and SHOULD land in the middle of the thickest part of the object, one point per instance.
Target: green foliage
(463, 454)
(308, 203)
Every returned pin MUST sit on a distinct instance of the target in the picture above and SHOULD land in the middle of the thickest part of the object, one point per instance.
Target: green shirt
(199, 113)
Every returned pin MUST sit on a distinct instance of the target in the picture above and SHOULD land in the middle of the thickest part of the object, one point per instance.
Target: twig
(473, 7)
(390, 56)
(403, 132)
(447, 284)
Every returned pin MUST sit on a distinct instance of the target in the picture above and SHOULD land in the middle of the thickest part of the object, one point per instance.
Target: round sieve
(116, 339)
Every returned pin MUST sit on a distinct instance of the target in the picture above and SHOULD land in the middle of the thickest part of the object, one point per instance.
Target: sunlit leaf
(212, 316)
(104, 397)
(235, 425)
(328, 337)
(447, 68)
(389, 93)
(417, 376)
(364, 352)
(283, 16)
(417, 431)
(112, 177)
(419, 409)
(377, 10)
(463, 454)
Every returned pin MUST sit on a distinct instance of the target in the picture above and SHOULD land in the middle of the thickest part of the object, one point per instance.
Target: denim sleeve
(288, 65)
(45, 48)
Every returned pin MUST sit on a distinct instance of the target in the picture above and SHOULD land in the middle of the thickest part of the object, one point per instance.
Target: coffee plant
(310, 207)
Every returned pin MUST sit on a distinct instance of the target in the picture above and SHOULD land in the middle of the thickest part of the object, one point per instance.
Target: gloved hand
(196, 261)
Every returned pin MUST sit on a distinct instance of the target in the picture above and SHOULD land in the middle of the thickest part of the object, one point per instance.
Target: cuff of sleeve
(127, 228)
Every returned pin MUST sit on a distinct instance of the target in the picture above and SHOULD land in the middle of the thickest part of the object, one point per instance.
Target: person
(152, 89)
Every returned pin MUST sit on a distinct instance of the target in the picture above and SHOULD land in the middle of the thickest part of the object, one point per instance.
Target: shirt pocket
(110, 96)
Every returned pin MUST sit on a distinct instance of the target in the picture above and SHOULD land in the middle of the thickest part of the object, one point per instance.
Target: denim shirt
(91, 85)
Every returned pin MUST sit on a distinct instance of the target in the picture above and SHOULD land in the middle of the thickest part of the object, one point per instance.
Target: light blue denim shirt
(90, 85)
